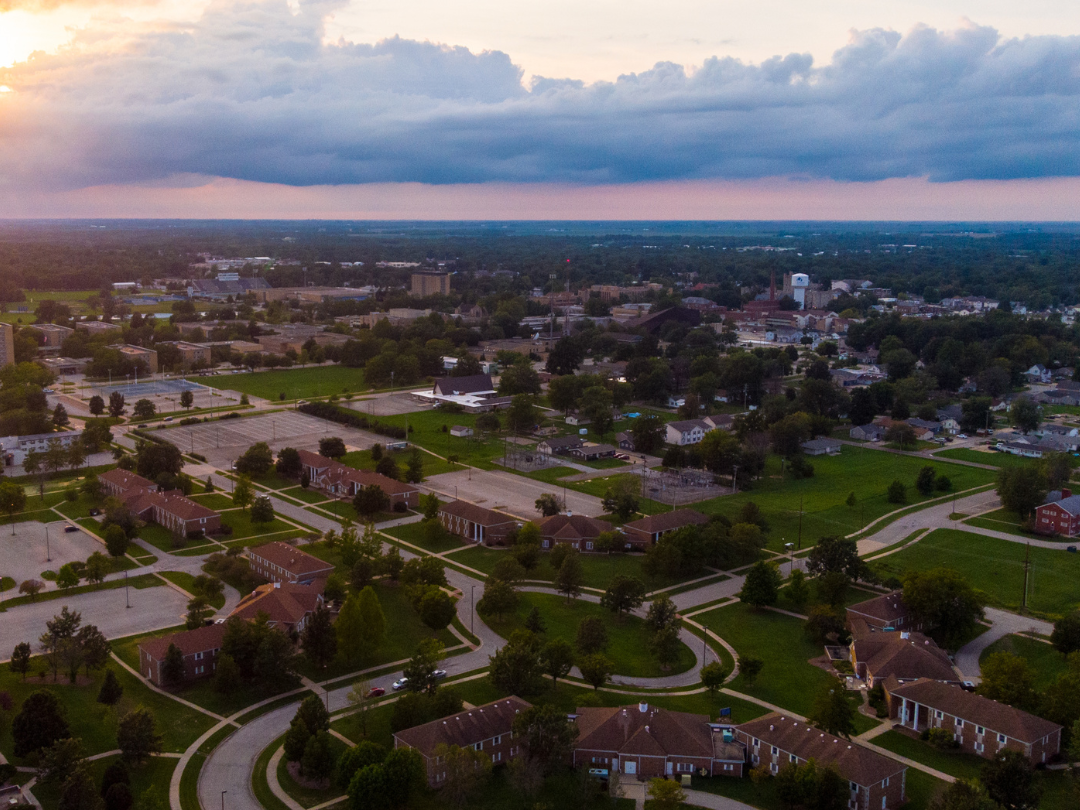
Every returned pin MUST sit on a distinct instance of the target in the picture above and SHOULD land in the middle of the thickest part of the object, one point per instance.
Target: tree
(198, 611)
(810, 786)
(896, 493)
(60, 760)
(750, 668)
(565, 356)
(116, 774)
(96, 405)
(665, 794)
(436, 609)
(172, 668)
(317, 763)
(20, 659)
(570, 577)
(833, 713)
(262, 510)
(421, 667)
(798, 592)
(111, 690)
(332, 447)
(515, 668)
(762, 585)
(67, 577)
(1025, 415)
(623, 595)
(499, 598)
(118, 797)
(621, 499)
(60, 416)
(823, 623)
(466, 771)
(665, 646)
(359, 756)
(318, 638)
(371, 500)
(144, 409)
(367, 789)
(522, 415)
(557, 658)
(361, 626)
(31, 587)
(1010, 781)
(154, 460)
(1008, 678)
(548, 505)
(592, 636)
(227, 677)
(595, 405)
(288, 463)
(925, 481)
(1021, 489)
(136, 736)
(93, 648)
(713, 676)
(414, 469)
(187, 399)
(256, 460)
(546, 735)
(662, 614)
(596, 669)
(964, 794)
(79, 791)
(835, 554)
(12, 500)
(429, 506)
(116, 540)
(243, 492)
(648, 434)
(1066, 635)
(944, 601)
(39, 723)
(116, 404)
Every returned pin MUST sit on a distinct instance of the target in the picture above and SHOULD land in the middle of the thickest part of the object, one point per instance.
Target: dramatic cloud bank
(252, 92)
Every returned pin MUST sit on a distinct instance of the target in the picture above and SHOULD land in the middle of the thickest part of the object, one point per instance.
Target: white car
(961, 435)
(399, 684)
(438, 674)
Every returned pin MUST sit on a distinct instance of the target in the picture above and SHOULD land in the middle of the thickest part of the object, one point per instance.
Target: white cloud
(251, 91)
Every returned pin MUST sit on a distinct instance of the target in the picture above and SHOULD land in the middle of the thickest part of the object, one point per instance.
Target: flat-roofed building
(7, 344)
(433, 283)
(137, 354)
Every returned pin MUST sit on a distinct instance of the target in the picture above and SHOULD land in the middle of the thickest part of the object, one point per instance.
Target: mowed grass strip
(295, 383)
(1046, 662)
(993, 458)
(996, 568)
(597, 569)
(628, 637)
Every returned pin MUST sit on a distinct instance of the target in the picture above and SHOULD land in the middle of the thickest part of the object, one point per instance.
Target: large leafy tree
(1021, 489)
(944, 601)
(39, 723)
(623, 595)
(761, 587)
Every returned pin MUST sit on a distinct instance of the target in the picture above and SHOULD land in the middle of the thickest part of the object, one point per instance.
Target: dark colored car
(71, 528)
(1072, 549)
(374, 692)
(95, 512)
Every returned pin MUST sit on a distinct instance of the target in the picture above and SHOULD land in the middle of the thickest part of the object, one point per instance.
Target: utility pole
(566, 320)
(734, 477)
(800, 521)
(551, 303)
(1027, 563)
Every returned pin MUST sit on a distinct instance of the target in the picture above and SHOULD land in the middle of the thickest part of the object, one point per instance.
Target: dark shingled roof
(476, 514)
(201, 639)
(464, 728)
(463, 385)
(653, 732)
(666, 521)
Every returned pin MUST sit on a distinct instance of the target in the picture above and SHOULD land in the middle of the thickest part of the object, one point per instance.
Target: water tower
(800, 282)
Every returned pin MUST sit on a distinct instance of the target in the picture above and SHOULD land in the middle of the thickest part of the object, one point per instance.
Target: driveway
(1004, 624)
(511, 493)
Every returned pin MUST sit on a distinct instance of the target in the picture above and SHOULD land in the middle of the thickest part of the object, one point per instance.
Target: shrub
(940, 738)
(897, 492)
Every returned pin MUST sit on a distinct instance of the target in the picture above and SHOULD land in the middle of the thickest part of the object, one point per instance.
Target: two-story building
(688, 431)
(643, 533)
(981, 726)
(173, 510)
(200, 648)
(281, 562)
(1059, 515)
(773, 741)
(487, 728)
(343, 481)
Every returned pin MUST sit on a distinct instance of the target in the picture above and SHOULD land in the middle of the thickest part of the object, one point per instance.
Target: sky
(576, 109)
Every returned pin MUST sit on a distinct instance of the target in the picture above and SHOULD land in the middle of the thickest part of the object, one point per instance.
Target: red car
(374, 692)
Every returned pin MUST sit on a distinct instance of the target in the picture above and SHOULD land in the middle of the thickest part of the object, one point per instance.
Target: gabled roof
(296, 562)
(905, 656)
(576, 527)
(563, 442)
(687, 425)
(981, 711)
(667, 521)
(855, 763)
(821, 444)
(473, 384)
(336, 472)
(123, 479)
(476, 514)
(653, 732)
(886, 608)
(464, 728)
(189, 642)
(284, 603)
(1070, 504)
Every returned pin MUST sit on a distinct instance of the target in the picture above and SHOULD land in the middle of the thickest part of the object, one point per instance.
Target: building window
(479, 746)
(939, 715)
(1001, 738)
(198, 656)
(980, 730)
(792, 758)
(496, 740)
(588, 545)
(775, 750)
(774, 768)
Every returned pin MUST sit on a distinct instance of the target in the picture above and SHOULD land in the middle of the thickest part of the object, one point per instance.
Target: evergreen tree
(761, 586)
(111, 690)
(318, 639)
(227, 674)
(570, 577)
(136, 736)
(833, 713)
(39, 723)
(172, 668)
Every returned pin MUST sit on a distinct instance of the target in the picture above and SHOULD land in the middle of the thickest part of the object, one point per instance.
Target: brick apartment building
(477, 524)
(200, 648)
(1060, 515)
(643, 533)
(173, 510)
(344, 481)
(281, 562)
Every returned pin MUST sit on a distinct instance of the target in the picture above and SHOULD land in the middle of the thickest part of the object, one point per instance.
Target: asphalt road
(512, 493)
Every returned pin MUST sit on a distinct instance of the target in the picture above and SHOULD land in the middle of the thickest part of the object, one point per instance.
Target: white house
(461, 431)
(690, 431)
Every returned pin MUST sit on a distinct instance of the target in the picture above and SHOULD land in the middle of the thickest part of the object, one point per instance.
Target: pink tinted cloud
(1047, 199)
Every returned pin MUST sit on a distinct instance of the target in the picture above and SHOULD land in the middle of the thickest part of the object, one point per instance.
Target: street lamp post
(472, 608)
(223, 799)
(48, 553)
(791, 555)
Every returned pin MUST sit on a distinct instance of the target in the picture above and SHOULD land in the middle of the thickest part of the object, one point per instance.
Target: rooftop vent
(643, 707)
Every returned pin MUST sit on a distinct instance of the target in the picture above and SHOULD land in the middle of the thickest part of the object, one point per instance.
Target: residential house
(286, 605)
(643, 533)
(689, 431)
(461, 432)
(675, 402)
(875, 781)
(344, 481)
(173, 510)
(1059, 514)
(593, 452)
(200, 648)
(281, 562)
(868, 433)
(950, 417)
(981, 726)
(477, 524)
(1019, 449)
(577, 531)
(625, 441)
(559, 445)
(487, 728)
(16, 448)
(1038, 373)
(577, 418)
(822, 447)
(922, 427)
(646, 742)
(720, 421)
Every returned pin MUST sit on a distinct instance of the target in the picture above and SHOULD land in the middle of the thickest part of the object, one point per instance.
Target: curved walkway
(1003, 623)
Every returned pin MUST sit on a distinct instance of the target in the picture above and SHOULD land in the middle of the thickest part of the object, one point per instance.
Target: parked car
(374, 692)
(438, 674)
(71, 528)
(1072, 549)
(399, 684)
(94, 512)
(167, 419)
(961, 435)
(622, 456)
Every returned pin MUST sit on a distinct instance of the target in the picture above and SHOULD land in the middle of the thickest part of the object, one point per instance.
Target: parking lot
(23, 555)
(508, 492)
(387, 405)
(222, 441)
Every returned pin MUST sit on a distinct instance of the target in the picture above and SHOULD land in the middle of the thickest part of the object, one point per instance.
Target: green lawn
(1047, 662)
(1003, 520)
(149, 779)
(298, 383)
(213, 500)
(139, 582)
(187, 582)
(94, 722)
(996, 568)
(361, 460)
(162, 539)
(551, 475)
(598, 569)
(786, 679)
(864, 471)
(960, 765)
(992, 458)
(305, 495)
(628, 638)
(426, 430)
(415, 534)
(77, 509)
(243, 528)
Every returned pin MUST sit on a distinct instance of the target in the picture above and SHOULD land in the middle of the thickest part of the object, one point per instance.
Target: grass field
(415, 534)
(628, 638)
(96, 723)
(296, 383)
(996, 568)
(361, 460)
(994, 459)
(786, 679)
(187, 582)
(149, 779)
(1002, 520)
(866, 473)
(1046, 662)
